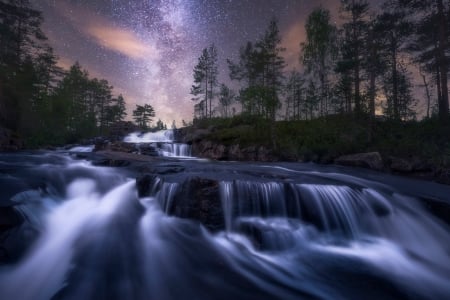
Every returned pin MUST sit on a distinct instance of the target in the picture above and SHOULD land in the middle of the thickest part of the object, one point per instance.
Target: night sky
(147, 49)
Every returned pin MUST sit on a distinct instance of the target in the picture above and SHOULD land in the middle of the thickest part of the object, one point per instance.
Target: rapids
(162, 141)
(217, 230)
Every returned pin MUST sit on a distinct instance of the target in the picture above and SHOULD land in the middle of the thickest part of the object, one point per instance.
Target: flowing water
(162, 141)
(215, 230)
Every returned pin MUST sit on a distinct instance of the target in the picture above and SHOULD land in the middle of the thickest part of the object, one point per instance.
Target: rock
(420, 165)
(9, 141)
(122, 147)
(400, 165)
(9, 218)
(208, 149)
(199, 199)
(144, 184)
(192, 135)
(147, 149)
(105, 145)
(212, 150)
(108, 162)
(371, 160)
(100, 144)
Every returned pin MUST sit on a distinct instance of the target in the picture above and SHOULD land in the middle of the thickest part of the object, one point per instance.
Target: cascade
(162, 141)
(278, 237)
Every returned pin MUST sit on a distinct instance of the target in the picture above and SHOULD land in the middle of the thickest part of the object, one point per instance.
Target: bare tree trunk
(425, 84)
(395, 83)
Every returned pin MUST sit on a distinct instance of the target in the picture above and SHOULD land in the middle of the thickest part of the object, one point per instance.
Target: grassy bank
(326, 138)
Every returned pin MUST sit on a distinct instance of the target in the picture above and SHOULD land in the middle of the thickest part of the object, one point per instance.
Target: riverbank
(414, 149)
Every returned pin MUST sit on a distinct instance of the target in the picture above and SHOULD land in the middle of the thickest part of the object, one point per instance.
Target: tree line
(364, 67)
(44, 103)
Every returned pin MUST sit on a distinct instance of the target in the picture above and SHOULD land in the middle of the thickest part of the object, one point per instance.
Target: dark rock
(118, 146)
(9, 218)
(9, 141)
(108, 162)
(122, 147)
(439, 208)
(147, 149)
(199, 199)
(208, 149)
(212, 150)
(196, 135)
(400, 165)
(371, 160)
(420, 165)
(144, 184)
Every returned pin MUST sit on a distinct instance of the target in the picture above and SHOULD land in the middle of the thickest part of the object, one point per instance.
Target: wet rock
(199, 199)
(438, 208)
(9, 218)
(109, 162)
(144, 184)
(122, 147)
(118, 146)
(147, 149)
(371, 160)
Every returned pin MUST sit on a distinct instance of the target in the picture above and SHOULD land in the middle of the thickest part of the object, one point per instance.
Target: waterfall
(216, 232)
(162, 141)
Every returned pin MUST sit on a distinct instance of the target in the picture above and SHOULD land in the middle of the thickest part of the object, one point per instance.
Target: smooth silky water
(290, 231)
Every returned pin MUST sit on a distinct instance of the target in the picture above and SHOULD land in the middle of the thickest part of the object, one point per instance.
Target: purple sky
(147, 49)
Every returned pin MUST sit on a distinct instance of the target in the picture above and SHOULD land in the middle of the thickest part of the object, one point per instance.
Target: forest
(376, 80)
(365, 66)
(43, 103)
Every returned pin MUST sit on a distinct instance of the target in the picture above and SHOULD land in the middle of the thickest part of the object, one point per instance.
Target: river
(197, 229)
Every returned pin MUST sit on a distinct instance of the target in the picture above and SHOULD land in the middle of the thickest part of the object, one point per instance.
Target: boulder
(148, 149)
(209, 149)
(199, 199)
(400, 165)
(9, 141)
(371, 160)
(105, 145)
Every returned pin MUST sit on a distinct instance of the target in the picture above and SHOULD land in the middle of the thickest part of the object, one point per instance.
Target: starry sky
(147, 48)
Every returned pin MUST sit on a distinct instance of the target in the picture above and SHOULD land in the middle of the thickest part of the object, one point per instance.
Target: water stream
(162, 141)
(215, 230)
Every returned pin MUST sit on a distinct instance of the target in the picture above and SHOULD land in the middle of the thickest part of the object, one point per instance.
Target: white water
(162, 141)
(162, 136)
(282, 240)
(89, 148)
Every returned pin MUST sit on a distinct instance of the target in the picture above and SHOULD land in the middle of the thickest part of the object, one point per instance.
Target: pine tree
(143, 115)
(356, 15)
(205, 81)
(394, 30)
(294, 96)
(226, 99)
(319, 52)
(431, 45)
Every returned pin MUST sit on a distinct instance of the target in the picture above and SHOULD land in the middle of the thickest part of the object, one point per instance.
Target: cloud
(64, 63)
(121, 40)
(106, 34)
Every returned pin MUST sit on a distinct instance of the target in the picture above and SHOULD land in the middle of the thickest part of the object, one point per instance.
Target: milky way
(147, 49)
